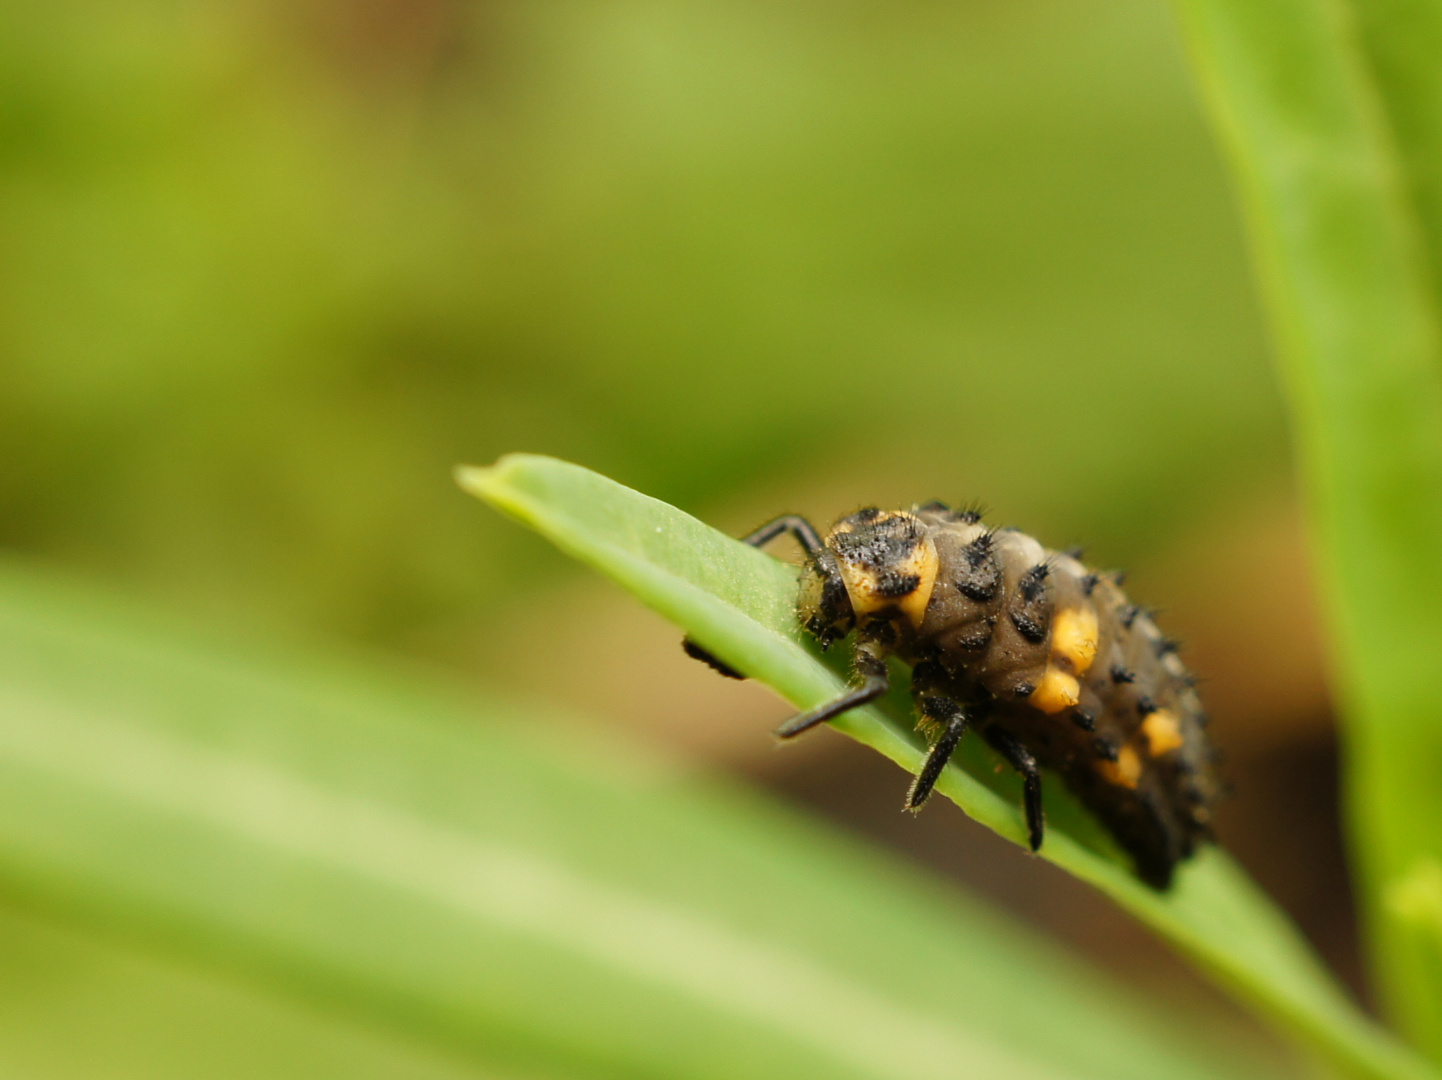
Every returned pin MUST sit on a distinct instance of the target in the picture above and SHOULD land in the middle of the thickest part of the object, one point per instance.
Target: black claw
(1035, 821)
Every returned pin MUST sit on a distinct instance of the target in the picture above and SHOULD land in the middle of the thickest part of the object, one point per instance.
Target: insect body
(1046, 659)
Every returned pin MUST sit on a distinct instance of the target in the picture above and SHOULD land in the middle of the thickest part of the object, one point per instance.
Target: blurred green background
(268, 271)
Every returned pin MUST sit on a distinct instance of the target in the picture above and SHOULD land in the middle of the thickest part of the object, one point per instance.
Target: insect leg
(945, 714)
(695, 652)
(796, 525)
(875, 682)
(805, 535)
(1020, 759)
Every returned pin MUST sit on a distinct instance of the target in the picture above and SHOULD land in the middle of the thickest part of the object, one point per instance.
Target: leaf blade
(361, 840)
(1341, 238)
(1212, 914)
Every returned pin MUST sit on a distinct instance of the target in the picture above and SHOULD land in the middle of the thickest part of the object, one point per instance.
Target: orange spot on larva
(1125, 771)
(1074, 637)
(1056, 691)
(1163, 732)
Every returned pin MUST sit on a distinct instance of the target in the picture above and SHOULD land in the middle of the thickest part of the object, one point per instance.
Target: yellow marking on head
(863, 583)
(1125, 771)
(1162, 731)
(923, 564)
(1056, 691)
(1074, 637)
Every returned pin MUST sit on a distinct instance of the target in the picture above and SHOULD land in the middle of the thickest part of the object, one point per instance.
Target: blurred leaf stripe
(1332, 118)
(368, 841)
(716, 588)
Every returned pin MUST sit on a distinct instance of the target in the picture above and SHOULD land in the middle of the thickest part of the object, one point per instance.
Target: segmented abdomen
(1057, 654)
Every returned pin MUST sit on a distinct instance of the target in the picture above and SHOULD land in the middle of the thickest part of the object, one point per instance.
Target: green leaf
(74, 1005)
(486, 880)
(1335, 133)
(739, 604)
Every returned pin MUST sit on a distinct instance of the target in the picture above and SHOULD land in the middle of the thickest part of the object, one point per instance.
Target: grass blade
(1343, 254)
(739, 603)
(459, 873)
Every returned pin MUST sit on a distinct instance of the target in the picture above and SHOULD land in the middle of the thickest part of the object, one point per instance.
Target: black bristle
(1084, 720)
(979, 550)
(1119, 578)
(1023, 690)
(1121, 675)
(1146, 706)
(1033, 581)
(1128, 615)
(1076, 551)
(1089, 583)
(1167, 645)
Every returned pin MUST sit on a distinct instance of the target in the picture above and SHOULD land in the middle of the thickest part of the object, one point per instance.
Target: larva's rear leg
(1020, 759)
(810, 541)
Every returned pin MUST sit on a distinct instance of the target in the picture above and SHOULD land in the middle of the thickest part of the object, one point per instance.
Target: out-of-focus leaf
(248, 318)
(466, 875)
(1336, 149)
(74, 1006)
(739, 603)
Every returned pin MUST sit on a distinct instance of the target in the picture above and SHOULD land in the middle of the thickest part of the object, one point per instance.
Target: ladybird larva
(1047, 660)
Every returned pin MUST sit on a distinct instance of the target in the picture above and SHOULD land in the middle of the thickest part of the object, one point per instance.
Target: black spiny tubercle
(1033, 582)
(1027, 627)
